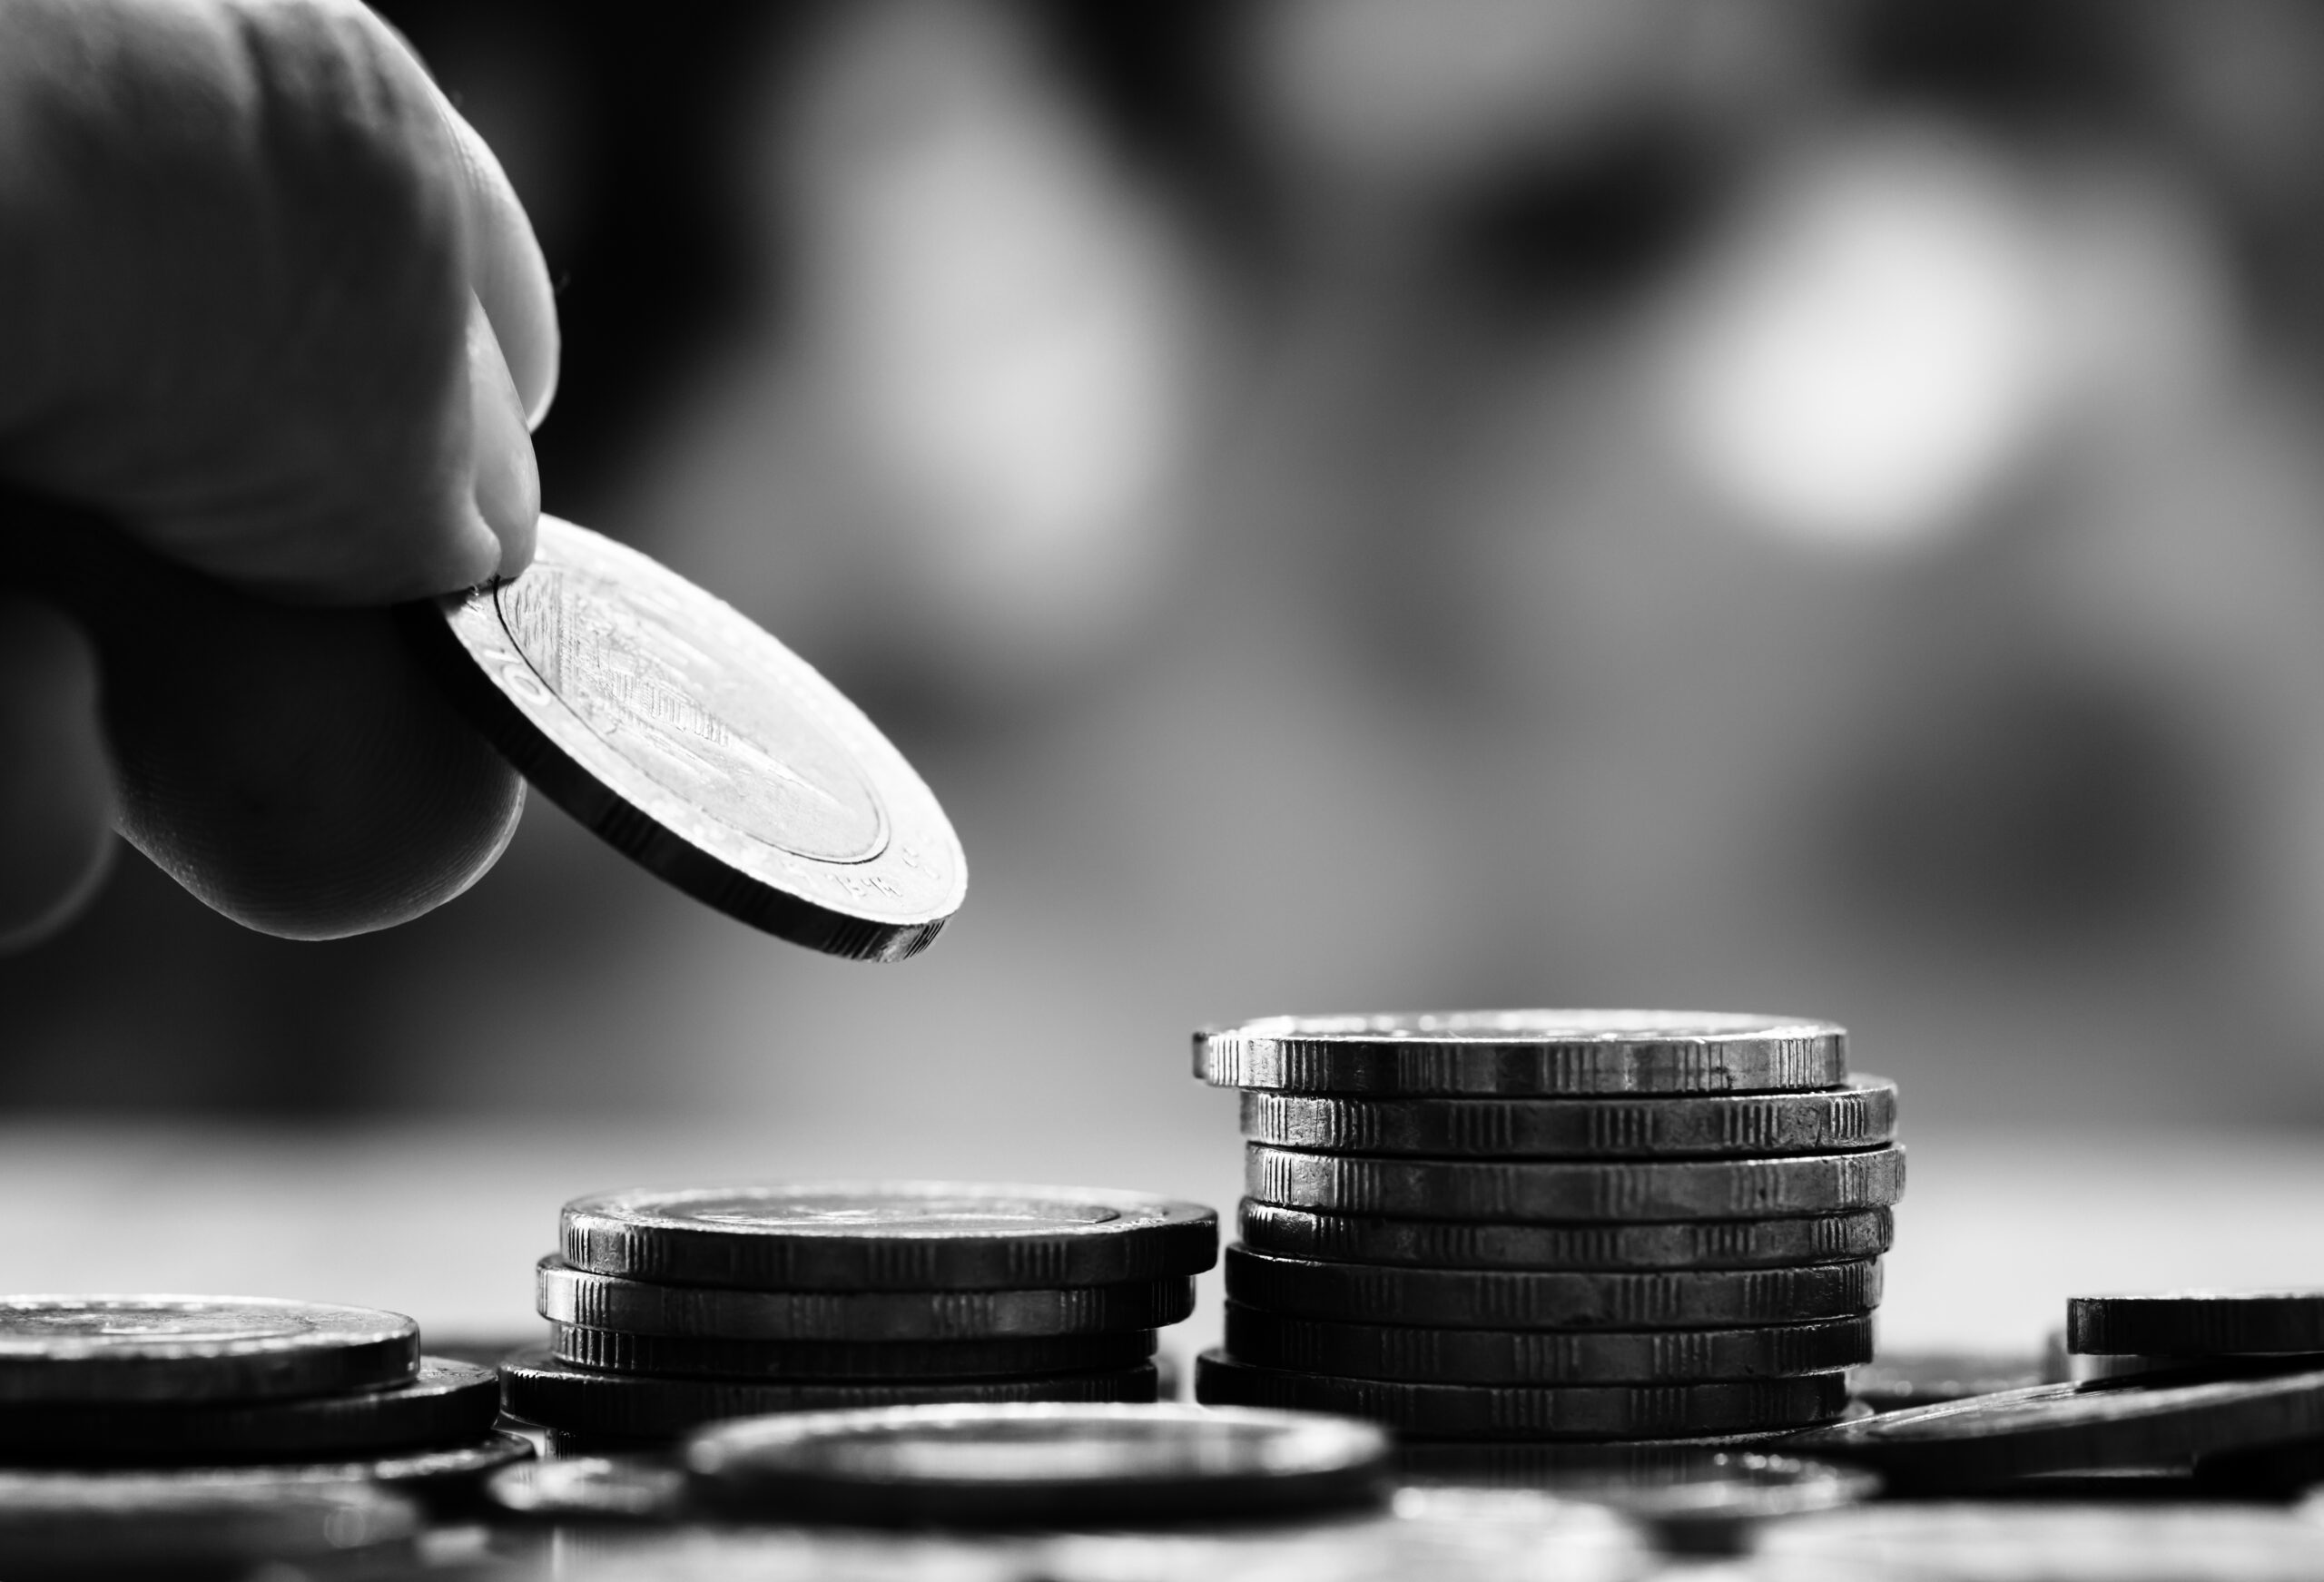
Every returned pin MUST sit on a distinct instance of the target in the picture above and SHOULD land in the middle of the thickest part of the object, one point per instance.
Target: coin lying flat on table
(1512, 1411)
(129, 1349)
(672, 725)
(1606, 1189)
(446, 1403)
(1863, 1114)
(1056, 1465)
(575, 1399)
(422, 1473)
(1267, 1339)
(1580, 1300)
(1756, 1243)
(2058, 1427)
(2197, 1323)
(1532, 1053)
(889, 1235)
(619, 1351)
(600, 1302)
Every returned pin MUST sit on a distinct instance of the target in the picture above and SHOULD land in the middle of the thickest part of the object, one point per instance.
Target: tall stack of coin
(1553, 1225)
(670, 1309)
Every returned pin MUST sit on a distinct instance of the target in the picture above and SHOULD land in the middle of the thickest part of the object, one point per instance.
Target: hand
(272, 308)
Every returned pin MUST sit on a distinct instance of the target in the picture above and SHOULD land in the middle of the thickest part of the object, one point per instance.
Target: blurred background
(1811, 505)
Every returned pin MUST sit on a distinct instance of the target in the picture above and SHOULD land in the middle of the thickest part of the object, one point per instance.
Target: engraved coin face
(684, 734)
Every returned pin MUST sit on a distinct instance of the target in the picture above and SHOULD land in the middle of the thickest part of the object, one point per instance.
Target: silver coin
(130, 1349)
(1606, 1189)
(2197, 1323)
(1862, 1114)
(1534, 1356)
(889, 1235)
(1479, 1411)
(1516, 1464)
(1527, 1053)
(1055, 1465)
(623, 1488)
(670, 724)
(600, 1302)
(66, 1525)
(1609, 1244)
(1575, 1300)
(619, 1351)
(426, 1473)
(556, 1395)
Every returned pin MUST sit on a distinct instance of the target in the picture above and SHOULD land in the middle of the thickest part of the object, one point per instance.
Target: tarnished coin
(129, 1349)
(565, 1295)
(2197, 1323)
(1611, 1245)
(558, 1395)
(1578, 1300)
(889, 1235)
(1054, 1465)
(123, 1528)
(1267, 1338)
(1482, 1411)
(1898, 1379)
(1606, 1189)
(2057, 1427)
(670, 724)
(619, 1351)
(1534, 1053)
(1862, 1114)
(446, 1403)
(619, 1488)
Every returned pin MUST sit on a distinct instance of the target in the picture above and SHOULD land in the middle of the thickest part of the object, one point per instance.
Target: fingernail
(508, 480)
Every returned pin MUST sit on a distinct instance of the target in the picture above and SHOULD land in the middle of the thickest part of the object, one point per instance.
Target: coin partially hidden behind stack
(1553, 1225)
(668, 1309)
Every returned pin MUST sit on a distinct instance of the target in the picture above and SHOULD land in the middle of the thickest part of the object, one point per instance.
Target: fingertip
(505, 482)
(56, 793)
(508, 272)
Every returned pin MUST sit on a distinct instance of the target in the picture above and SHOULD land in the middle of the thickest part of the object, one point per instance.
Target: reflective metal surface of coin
(1059, 1465)
(873, 1235)
(1527, 1053)
(600, 1302)
(556, 1395)
(1671, 1244)
(1991, 1438)
(119, 1527)
(1863, 1114)
(1536, 1356)
(128, 1349)
(1478, 1411)
(1684, 1189)
(446, 1403)
(618, 1351)
(618, 1488)
(2197, 1323)
(1579, 1300)
(422, 1473)
(672, 725)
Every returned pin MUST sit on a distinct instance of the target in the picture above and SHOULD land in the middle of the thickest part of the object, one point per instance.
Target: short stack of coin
(1553, 1225)
(670, 1309)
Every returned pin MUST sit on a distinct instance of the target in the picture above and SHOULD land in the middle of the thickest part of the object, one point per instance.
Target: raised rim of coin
(1486, 1412)
(2057, 1427)
(1525, 1053)
(1048, 1462)
(1860, 1115)
(864, 1235)
(676, 728)
(125, 1349)
(1611, 1245)
(2195, 1324)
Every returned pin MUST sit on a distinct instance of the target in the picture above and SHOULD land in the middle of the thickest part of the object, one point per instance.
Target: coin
(558, 1395)
(675, 728)
(2083, 1367)
(65, 1524)
(127, 1349)
(1510, 1411)
(1863, 1114)
(1898, 1379)
(591, 1488)
(600, 1302)
(616, 1351)
(2057, 1427)
(428, 1475)
(1469, 1356)
(889, 1235)
(2197, 1323)
(1580, 1299)
(1676, 1245)
(1056, 1465)
(1516, 1464)
(447, 1403)
(1607, 1189)
(1532, 1053)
